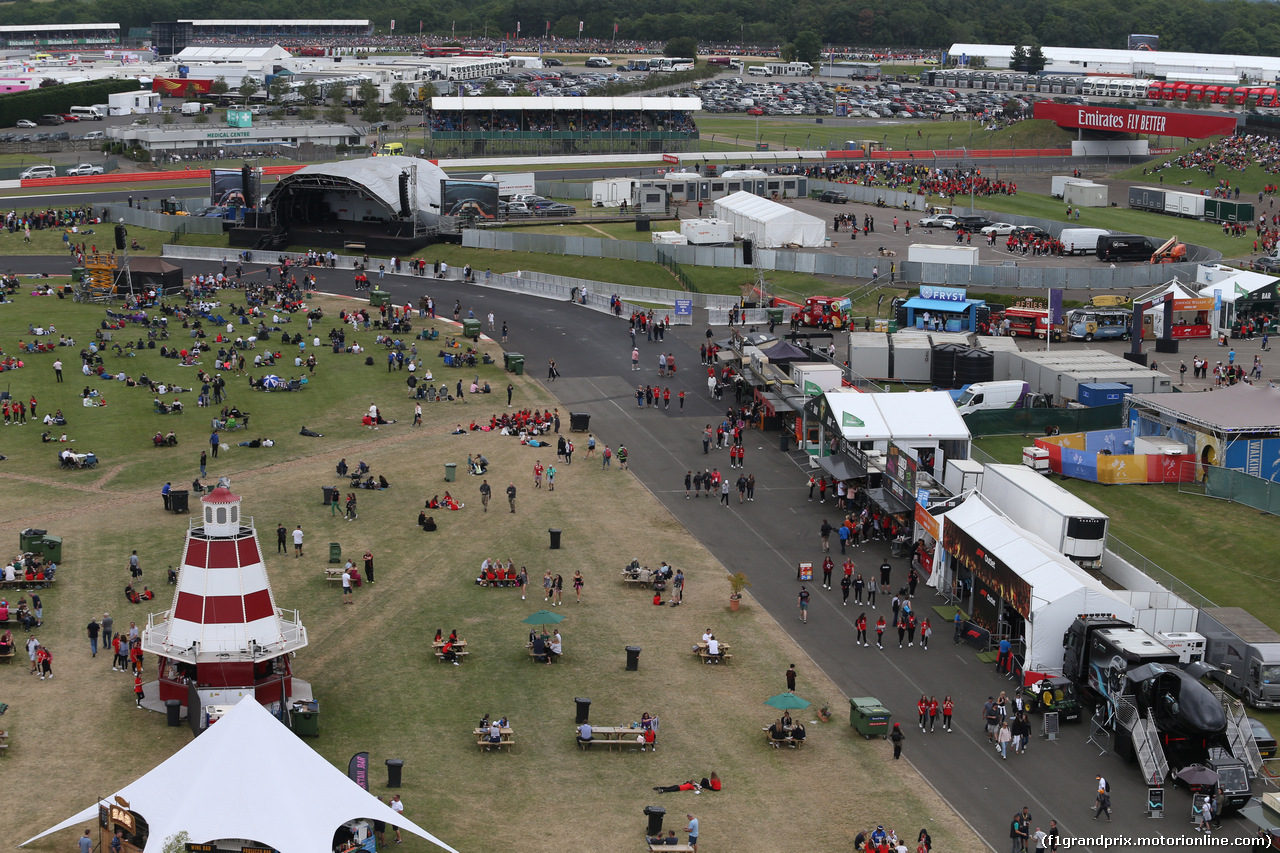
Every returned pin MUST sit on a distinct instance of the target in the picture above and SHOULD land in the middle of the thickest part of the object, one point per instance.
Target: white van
(992, 395)
(757, 71)
(1081, 241)
(87, 113)
(39, 172)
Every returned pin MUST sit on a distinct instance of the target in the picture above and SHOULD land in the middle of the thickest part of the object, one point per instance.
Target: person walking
(297, 541)
(724, 492)
(791, 678)
(1003, 738)
(897, 737)
(511, 496)
(577, 585)
(635, 358)
(824, 532)
(93, 629)
(485, 493)
(948, 708)
(933, 712)
(57, 369)
(804, 605)
(880, 623)
(214, 441)
(137, 690)
(108, 624)
(204, 460)
(398, 807)
(846, 583)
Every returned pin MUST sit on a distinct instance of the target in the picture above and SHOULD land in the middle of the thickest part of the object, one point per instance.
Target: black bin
(642, 223)
(178, 500)
(579, 421)
(633, 658)
(1169, 345)
(328, 494)
(582, 710)
(395, 766)
(173, 712)
(784, 441)
(655, 815)
(555, 538)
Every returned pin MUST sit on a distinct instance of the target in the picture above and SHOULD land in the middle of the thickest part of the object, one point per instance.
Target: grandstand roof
(227, 53)
(276, 22)
(1145, 59)
(55, 28)
(564, 102)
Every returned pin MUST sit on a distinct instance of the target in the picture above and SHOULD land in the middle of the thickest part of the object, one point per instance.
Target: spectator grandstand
(59, 36)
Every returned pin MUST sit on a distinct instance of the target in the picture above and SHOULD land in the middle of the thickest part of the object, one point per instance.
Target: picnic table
(507, 742)
(643, 577)
(459, 649)
(700, 651)
(611, 736)
(670, 848)
(788, 740)
(23, 583)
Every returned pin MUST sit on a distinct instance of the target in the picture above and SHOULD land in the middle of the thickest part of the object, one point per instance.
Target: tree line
(1211, 26)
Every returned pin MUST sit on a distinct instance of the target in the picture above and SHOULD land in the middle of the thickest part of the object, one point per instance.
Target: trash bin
(579, 421)
(328, 495)
(582, 710)
(304, 718)
(517, 365)
(555, 538)
(776, 315)
(784, 441)
(173, 712)
(77, 275)
(179, 500)
(395, 769)
(52, 548)
(450, 472)
(378, 298)
(655, 815)
(335, 552)
(642, 223)
(633, 658)
(869, 717)
(470, 328)
(30, 539)
(509, 360)
(893, 327)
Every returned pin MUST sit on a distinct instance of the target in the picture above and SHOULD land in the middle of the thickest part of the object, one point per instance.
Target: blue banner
(1055, 306)
(684, 307)
(944, 294)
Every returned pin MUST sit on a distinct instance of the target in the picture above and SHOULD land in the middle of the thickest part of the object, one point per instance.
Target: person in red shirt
(933, 712)
(135, 658)
(822, 490)
(137, 689)
(947, 708)
(880, 633)
(922, 707)
(861, 625)
(828, 565)
(666, 398)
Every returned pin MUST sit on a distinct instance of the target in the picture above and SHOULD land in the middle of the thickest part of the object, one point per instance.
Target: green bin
(470, 328)
(893, 327)
(52, 547)
(869, 717)
(335, 552)
(31, 539)
(77, 275)
(450, 472)
(776, 315)
(304, 718)
(378, 298)
(515, 363)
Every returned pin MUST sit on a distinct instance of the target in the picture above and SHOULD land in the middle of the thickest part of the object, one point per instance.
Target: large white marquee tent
(768, 223)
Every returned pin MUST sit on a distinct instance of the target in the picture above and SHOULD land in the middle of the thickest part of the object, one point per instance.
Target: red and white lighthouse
(224, 636)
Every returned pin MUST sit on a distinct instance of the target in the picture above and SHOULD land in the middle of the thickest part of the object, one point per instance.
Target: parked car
(1000, 229)
(938, 220)
(70, 117)
(833, 197)
(25, 122)
(1266, 743)
(85, 169)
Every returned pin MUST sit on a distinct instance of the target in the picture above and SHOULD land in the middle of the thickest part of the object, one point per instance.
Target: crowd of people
(541, 121)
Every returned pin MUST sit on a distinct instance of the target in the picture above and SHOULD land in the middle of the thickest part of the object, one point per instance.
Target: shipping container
(1103, 393)
(1190, 205)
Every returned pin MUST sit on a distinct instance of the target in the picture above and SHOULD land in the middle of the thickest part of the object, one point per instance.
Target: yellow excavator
(1171, 252)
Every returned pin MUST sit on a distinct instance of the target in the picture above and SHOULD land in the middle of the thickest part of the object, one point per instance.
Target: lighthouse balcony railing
(196, 525)
(292, 636)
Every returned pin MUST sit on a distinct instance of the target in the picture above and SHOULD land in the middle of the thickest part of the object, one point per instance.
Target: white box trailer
(817, 377)
(612, 192)
(1085, 194)
(707, 232)
(923, 253)
(1184, 204)
(1058, 184)
(1037, 504)
(961, 475)
(512, 183)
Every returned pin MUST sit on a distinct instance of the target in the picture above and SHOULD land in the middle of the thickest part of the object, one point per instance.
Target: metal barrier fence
(1235, 486)
(162, 221)
(746, 317)
(818, 263)
(633, 298)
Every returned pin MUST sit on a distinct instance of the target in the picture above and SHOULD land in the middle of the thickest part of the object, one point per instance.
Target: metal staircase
(1146, 741)
(1239, 732)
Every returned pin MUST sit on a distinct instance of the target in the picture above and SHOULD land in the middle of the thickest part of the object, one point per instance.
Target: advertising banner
(988, 571)
(180, 87)
(477, 199)
(358, 769)
(1190, 125)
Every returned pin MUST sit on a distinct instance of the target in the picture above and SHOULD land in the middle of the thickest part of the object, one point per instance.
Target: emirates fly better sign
(1197, 125)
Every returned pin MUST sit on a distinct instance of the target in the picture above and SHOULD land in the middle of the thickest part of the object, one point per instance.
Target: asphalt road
(766, 539)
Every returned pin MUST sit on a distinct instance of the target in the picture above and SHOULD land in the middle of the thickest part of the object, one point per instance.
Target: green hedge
(34, 103)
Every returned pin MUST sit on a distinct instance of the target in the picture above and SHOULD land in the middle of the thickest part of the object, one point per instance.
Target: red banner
(1154, 122)
(180, 87)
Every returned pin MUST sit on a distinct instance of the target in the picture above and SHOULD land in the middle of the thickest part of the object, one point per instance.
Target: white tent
(1060, 590)
(918, 417)
(768, 223)
(268, 786)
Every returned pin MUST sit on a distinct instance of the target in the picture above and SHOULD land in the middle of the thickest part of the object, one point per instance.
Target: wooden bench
(791, 742)
(461, 653)
(487, 744)
(23, 583)
(670, 848)
(643, 579)
(359, 246)
(7, 657)
(707, 656)
(607, 743)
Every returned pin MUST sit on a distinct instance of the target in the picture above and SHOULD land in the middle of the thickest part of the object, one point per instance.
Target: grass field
(379, 687)
(1230, 564)
(802, 132)
(1250, 181)
(48, 241)
(1121, 219)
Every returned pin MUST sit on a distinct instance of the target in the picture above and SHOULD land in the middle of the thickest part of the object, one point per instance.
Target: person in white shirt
(713, 650)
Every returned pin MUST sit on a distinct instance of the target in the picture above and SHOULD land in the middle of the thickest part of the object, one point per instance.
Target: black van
(1125, 247)
(50, 119)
